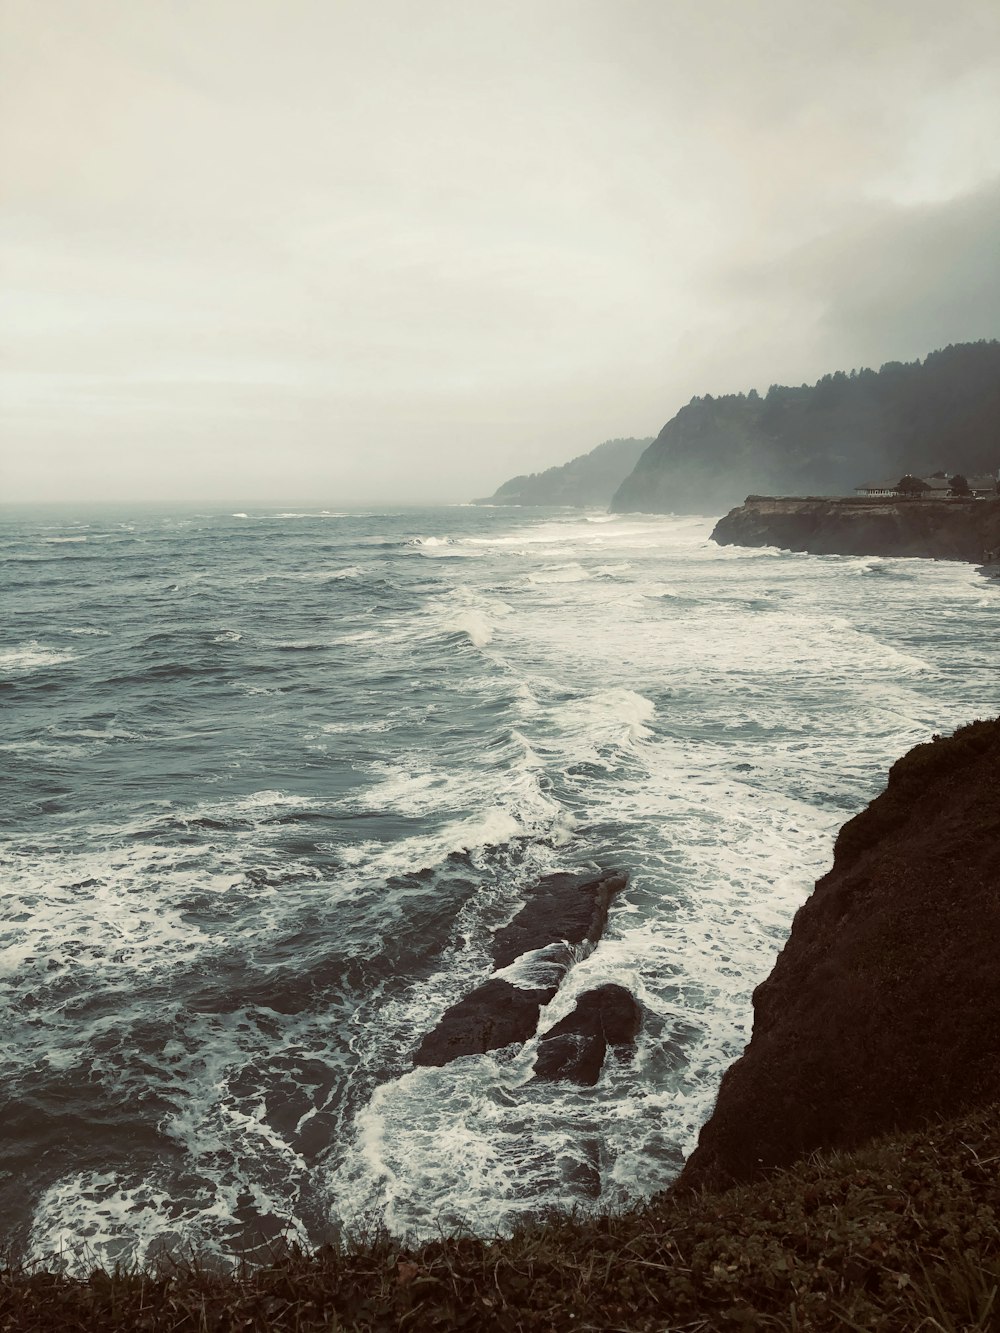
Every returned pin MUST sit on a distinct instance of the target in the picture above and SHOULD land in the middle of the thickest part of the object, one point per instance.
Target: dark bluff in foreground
(883, 1009)
(826, 438)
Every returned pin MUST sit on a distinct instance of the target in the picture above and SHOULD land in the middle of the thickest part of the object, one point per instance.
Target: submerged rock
(574, 1049)
(569, 910)
(883, 1009)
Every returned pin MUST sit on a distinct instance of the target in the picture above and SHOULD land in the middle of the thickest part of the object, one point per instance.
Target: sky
(357, 250)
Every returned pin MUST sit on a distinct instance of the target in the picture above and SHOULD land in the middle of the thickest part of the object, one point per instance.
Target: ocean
(273, 778)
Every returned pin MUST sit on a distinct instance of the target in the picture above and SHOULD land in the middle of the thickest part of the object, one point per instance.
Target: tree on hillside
(960, 485)
(912, 487)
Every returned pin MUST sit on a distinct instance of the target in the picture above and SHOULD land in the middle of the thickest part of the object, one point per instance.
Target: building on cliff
(937, 487)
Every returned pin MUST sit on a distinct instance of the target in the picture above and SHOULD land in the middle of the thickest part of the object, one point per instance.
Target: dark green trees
(912, 487)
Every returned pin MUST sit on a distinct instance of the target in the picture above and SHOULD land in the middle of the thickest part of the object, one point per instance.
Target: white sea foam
(474, 624)
(32, 656)
(311, 513)
(572, 573)
(492, 829)
(360, 725)
(618, 716)
(465, 612)
(703, 717)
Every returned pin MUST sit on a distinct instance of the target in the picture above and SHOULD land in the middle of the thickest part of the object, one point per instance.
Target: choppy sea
(273, 778)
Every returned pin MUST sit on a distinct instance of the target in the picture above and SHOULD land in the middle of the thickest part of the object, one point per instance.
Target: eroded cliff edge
(883, 1009)
(937, 529)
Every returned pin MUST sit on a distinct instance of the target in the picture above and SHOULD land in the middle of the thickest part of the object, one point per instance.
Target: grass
(902, 1235)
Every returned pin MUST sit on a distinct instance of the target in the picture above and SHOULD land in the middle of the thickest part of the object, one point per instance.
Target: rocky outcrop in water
(939, 529)
(883, 1009)
(574, 1048)
(562, 914)
(825, 438)
(590, 479)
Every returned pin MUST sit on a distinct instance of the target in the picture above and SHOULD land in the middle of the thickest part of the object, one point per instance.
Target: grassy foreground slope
(901, 1235)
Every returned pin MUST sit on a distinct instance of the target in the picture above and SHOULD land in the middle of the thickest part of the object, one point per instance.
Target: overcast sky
(347, 250)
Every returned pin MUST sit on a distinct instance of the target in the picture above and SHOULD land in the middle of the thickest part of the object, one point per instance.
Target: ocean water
(272, 779)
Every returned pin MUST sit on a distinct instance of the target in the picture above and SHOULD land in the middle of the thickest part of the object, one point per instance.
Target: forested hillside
(942, 413)
(590, 479)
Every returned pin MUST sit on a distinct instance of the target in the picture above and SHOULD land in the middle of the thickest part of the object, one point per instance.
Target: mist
(361, 253)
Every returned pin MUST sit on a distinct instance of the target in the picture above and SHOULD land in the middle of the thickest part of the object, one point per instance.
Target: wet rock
(492, 1016)
(575, 1048)
(560, 910)
(559, 907)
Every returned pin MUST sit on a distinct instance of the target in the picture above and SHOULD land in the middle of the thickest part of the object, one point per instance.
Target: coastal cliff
(883, 1009)
(939, 529)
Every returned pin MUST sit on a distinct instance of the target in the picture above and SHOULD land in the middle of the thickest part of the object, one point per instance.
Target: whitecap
(464, 611)
(490, 829)
(31, 656)
(572, 573)
(619, 715)
(473, 624)
(349, 728)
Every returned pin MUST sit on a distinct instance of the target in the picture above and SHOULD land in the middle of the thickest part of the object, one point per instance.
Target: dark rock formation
(559, 907)
(575, 1048)
(826, 438)
(883, 1009)
(494, 1015)
(565, 911)
(941, 529)
(590, 479)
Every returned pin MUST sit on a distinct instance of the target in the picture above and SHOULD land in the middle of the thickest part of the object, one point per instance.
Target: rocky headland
(590, 479)
(846, 430)
(939, 529)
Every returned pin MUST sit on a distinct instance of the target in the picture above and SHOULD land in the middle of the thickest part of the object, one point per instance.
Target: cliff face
(825, 438)
(883, 1009)
(590, 479)
(942, 529)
